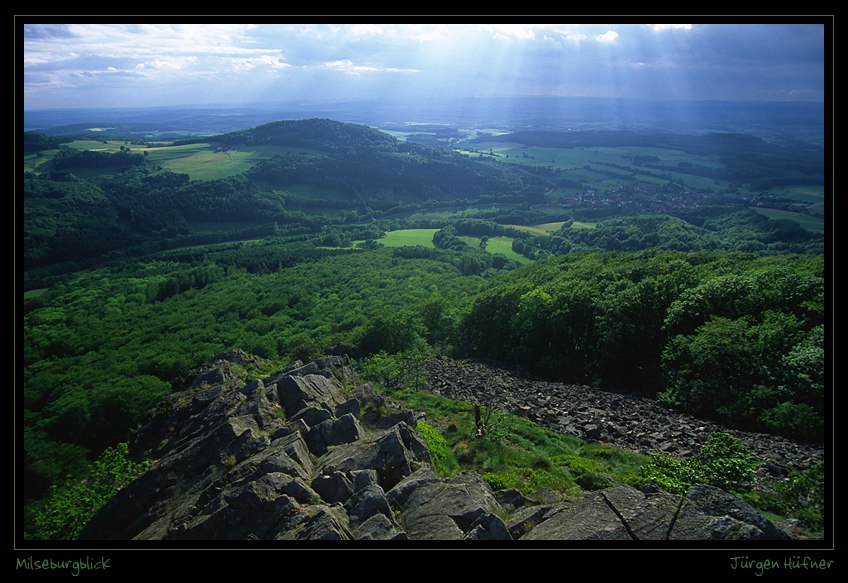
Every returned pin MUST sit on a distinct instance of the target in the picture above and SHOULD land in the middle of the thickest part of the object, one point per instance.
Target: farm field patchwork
(810, 223)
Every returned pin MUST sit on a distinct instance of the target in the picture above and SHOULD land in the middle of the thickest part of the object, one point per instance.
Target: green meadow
(810, 223)
(204, 162)
(497, 246)
(553, 227)
(409, 238)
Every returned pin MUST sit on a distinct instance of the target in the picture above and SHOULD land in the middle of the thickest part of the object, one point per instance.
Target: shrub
(441, 457)
(797, 420)
(70, 506)
(587, 473)
(723, 462)
(528, 480)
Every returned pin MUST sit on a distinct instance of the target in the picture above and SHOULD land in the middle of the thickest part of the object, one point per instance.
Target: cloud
(347, 67)
(303, 61)
(609, 36)
(661, 27)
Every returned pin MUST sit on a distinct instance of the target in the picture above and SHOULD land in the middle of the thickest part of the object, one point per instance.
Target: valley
(687, 269)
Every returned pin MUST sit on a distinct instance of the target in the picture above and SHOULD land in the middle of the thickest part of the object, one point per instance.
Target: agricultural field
(409, 238)
(109, 146)
(33, 162)
(497, 246)
(605, 167)
(200, 161)
(810, 223)
(204, 162)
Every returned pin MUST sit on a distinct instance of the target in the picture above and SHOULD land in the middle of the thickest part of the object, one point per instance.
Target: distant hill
(746, 159)
(366, 163)
(332, 168)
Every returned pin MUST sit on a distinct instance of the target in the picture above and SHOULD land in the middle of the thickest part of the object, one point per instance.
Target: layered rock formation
(308, 453)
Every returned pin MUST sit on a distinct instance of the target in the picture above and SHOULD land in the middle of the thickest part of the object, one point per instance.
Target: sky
(135, 65)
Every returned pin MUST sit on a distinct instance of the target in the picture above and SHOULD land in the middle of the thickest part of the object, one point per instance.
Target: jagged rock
(387, 454)
(262, 411)
(339, 366)
(311, 390)
(227, 466)
(526, 519)
(312, 416)
(717, 502)
(413, 441)
(252, 388)
(488, 527)
(215, 376)
(366, 396)
(378, 527)
(367, 502)
(323, 524)
(386, 421)
(512, 498)
(624, 513)
(352, 406)
(362, 478)
(256, 508)
(448, 509)
(333, 488)
(331, 432)
(399, 495)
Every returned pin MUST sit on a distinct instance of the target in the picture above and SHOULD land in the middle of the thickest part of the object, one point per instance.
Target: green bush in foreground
(441, 457)
(72, 504)
(724, 462)
(528, 480)
(800, 495)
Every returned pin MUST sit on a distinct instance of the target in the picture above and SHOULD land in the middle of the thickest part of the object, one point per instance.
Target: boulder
(367, 502)
(312, 416)
(323, 523)
(256, 509)
(310, 390)
(352, 406)
(624, 513)
(378, 527)
(333, 488)
(716, 502)
(331, 432)
(448, 509)
(386, 453)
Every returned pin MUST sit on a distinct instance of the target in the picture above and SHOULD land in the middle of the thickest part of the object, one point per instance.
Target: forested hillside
(727, 336)
(135, 274)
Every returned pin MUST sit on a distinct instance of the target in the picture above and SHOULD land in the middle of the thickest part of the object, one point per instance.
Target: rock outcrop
(308, 453)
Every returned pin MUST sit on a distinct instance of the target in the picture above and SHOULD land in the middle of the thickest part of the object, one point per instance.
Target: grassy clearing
(497, 246)
(517, 453)
(99, 145)
(542, 229)
(200, 161)
(33, 162)
(582, 225)
(204, 162)
(34, 293)
(409, 238)
(812, 224)
(548, 228)
(503, 246)
(811, 194)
